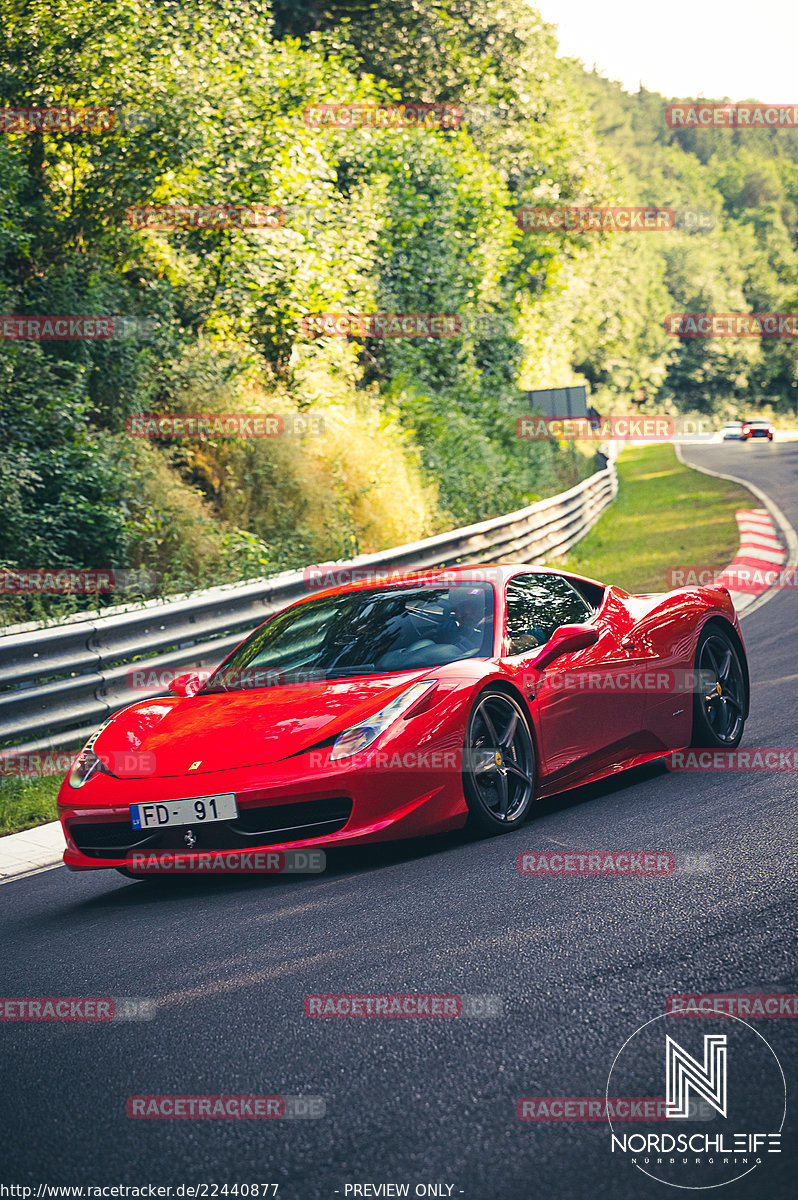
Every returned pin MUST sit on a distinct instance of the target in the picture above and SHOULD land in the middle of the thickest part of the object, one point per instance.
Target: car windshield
(362, 632)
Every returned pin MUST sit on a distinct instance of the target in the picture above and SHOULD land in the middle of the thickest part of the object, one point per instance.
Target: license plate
(198, 811)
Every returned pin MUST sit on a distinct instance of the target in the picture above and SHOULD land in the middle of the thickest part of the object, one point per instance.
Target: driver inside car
(465, 625)
(456, 630)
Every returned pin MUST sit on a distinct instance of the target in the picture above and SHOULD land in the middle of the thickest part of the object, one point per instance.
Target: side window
(536, 606)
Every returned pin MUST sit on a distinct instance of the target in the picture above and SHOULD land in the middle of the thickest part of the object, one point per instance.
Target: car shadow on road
(344, 861)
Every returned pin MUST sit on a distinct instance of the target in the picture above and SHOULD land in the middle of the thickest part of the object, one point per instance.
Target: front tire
(498, 764)
(720, 699)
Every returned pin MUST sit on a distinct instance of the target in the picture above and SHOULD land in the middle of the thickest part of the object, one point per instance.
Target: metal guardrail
(58, 683)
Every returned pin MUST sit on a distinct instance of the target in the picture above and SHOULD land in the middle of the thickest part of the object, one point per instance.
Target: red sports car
(758, 429)
(408, 706)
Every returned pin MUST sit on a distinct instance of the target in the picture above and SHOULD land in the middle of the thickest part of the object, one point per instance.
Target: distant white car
(733, 431)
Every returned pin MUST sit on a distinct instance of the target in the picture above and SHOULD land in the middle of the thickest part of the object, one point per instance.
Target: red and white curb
(745, 603)
(757, 565)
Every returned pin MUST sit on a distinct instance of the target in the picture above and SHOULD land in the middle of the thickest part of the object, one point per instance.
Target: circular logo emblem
(712, 1100)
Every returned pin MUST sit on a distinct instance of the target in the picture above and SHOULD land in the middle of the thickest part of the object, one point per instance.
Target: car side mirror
(565, 640)
(187, 685)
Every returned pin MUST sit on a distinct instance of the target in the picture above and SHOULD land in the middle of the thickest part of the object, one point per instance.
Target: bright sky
(740, 49)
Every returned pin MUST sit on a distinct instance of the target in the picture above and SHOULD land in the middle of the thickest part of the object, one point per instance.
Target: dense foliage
(419, 433)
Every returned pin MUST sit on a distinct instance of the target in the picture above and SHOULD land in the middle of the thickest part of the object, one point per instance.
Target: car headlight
(359, 737)
(87, 762)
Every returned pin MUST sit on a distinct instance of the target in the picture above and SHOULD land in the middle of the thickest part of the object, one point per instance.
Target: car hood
(223, 731)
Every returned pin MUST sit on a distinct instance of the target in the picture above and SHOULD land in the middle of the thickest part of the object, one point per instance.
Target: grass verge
(665, 516)
(27, 801)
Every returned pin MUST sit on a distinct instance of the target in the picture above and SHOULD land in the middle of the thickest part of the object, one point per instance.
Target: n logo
(683, 1072)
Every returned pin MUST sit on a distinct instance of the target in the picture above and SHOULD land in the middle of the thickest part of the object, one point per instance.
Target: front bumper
(284, 806)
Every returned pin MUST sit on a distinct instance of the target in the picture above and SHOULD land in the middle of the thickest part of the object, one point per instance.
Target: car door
(584, 708)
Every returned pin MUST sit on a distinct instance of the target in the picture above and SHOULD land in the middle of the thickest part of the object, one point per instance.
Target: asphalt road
(579, 962)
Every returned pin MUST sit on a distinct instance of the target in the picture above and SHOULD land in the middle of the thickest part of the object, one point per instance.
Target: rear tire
(720, 698)
(498, 764)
